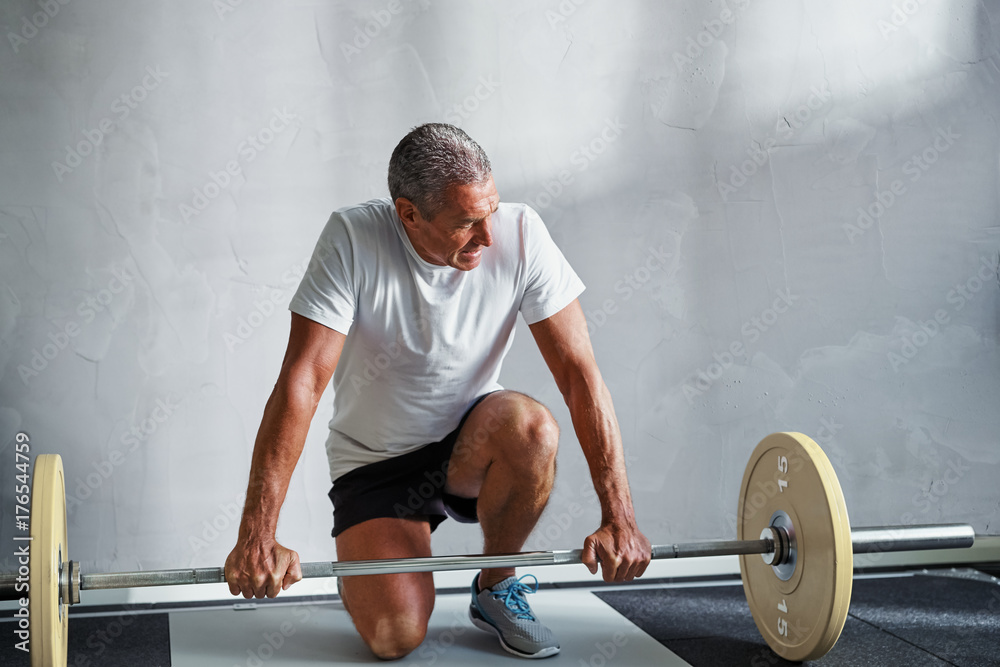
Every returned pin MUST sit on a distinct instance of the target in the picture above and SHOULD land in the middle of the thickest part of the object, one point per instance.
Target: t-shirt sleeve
(327, 291)
(551, 283)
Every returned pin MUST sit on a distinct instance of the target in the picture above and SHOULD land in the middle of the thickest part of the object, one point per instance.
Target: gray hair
(430, 159)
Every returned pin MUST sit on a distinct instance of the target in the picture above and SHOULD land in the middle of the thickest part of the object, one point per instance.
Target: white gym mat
(590, 632)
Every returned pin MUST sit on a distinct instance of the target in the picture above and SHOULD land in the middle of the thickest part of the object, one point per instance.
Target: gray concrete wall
(785, 213)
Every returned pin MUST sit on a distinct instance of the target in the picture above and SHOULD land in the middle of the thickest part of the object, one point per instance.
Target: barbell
(794, 543)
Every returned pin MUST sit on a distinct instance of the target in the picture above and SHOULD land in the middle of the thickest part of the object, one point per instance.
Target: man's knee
(537, 432)
(395, 637)
(515, 428)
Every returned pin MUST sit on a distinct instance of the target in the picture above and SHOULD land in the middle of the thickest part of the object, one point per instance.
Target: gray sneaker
(504, 611)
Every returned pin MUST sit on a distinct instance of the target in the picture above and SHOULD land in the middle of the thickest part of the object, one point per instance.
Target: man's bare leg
(505, 455)
(390, 611)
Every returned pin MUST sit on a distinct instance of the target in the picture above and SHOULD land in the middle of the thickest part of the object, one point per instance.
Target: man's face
(459, 233)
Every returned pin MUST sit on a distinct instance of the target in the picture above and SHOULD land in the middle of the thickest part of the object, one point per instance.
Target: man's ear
(408, 213)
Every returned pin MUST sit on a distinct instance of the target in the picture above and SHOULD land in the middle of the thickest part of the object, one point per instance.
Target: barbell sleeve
(912, 538)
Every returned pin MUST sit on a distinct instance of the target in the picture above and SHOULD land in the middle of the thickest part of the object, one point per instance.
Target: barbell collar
(779, 553)
(73, 582)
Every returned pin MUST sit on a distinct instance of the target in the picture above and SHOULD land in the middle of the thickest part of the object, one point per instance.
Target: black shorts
(410, 486)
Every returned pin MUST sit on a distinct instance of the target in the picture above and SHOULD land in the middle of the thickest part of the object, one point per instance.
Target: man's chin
(466, 261)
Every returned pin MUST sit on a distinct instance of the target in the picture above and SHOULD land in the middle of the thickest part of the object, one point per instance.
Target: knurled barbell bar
(790, 500)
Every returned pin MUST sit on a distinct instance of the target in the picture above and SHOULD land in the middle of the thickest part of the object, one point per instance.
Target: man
(410, 305)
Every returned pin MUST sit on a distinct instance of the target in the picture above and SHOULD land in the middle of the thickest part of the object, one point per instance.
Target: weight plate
(802, 613)
(48, 613)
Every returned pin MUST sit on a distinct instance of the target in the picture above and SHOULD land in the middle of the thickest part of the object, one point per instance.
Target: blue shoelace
(513, 598)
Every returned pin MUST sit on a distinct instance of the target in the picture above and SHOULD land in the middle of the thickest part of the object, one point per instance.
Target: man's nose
(483, 232)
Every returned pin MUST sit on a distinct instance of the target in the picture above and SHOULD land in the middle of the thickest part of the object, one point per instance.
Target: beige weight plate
(49, 614)
(802, 614)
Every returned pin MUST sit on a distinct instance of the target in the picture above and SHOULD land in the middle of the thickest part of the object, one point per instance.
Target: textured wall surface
(785, 212)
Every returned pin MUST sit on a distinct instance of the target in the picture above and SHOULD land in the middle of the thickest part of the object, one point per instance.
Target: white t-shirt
(423, 341)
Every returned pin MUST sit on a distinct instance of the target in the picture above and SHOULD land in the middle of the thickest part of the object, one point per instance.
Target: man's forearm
(597, 430)
(279, 444)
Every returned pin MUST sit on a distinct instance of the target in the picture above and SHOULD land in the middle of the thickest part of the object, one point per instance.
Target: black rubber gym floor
(950, 618)
(119, 640)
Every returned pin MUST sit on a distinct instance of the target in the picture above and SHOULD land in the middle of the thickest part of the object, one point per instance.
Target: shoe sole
(483, 624)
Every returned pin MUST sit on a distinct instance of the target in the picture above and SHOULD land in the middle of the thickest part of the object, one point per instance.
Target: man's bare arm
(258, 566)
(623, 551)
